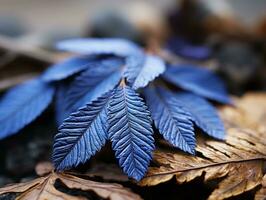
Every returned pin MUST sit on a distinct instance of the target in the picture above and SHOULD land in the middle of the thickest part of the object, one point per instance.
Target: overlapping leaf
(68, 67)
(197, 80)
(44, 188)
(130, 131)
(81, 135)
(152, 67)
(203, 114)
(22, 104)
(119, 47)
(238, 162)
(93, 83)
(173, 122)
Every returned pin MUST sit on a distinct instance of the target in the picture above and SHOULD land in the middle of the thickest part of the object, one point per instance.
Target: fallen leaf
(238, 161)
(43, 188)
(261, 194)
(109, 172)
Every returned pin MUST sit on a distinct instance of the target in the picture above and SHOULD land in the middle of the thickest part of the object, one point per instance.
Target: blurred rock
(137, 21)
(12, 26)
(239, 64)
(112, 23)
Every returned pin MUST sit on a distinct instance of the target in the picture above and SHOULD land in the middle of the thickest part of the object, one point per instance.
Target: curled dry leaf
(238, 161)
(43, 188)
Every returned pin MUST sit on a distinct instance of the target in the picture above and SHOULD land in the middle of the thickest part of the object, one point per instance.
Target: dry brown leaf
(43, 189)
(238, 161)
(261, 194)
(108, 172)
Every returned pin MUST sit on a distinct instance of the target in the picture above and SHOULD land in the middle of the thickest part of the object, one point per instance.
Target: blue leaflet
(173, 122)
(119, 47)
(81, 135)
(183, 48)
(197, 80)
(60, 103)
(22, 104)
(134, 64)
(130, 131)
(152, 68)
(93, 83)
(203, 114)
(67, 68)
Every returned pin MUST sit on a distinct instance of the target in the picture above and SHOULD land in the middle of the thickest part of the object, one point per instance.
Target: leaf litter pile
(114, 117)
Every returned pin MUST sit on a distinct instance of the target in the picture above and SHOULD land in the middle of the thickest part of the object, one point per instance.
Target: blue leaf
(173, 122)
(203, 114)
(60, 103)
(152, 68)
(119, 47)
(67, 68)
(197, 80)
(183, 48)
(22, 104)
(134, 64)
(81, 135)
(93, 83)
(130, 131)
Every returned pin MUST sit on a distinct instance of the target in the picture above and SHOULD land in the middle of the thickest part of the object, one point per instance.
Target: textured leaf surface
(67, 68)
(130, 132)
(237, 162)
(22, 104)
(44, 188)
(203, 114)
(183, 48)
(81, 135)
(152, 68)
(119, 47)
(93, 83)
(173, 122)
(197, 80)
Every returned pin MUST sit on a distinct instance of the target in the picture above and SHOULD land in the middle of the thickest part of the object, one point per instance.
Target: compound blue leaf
(67, 68)
(81, 135)
(184, 49)
(93, 83)
(130, 131)
(119, 47)
(173, 122)
(152, 68)
(197, 80)
(203, 114)
(22, 104)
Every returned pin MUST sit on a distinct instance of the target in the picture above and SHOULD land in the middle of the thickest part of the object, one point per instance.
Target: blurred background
(228, 34)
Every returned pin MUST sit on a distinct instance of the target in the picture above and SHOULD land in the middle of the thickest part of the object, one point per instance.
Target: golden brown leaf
(43, 189)
(238, 161)
(261, 194)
